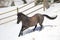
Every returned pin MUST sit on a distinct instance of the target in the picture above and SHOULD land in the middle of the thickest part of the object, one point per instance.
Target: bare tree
(5, 3)
(37, 2)
(58, 1)
(45, 4)
(24, 1)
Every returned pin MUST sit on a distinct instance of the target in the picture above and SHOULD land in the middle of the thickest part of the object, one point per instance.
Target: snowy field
(51, 30)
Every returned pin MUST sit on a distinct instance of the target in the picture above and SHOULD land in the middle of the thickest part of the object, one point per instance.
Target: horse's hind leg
(40, 23)
(41, 27)
(35, 28)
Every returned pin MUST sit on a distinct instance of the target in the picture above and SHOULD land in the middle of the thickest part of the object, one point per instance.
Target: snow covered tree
(57, 1)
(37, 2)
(45, 4)
(24, 1)
(5, 3)
(12, 4)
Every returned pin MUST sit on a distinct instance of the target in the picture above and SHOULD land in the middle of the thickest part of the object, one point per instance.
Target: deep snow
(51, 30)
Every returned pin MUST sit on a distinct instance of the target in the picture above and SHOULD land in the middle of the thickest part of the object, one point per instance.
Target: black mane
(20, 13)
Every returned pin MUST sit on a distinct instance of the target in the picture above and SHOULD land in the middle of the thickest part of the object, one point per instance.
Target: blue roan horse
(31, 21)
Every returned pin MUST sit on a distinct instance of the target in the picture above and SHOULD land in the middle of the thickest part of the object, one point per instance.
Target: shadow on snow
(37, 29)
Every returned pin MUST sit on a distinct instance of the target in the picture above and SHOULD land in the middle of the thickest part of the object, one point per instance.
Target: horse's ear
(20, 13)
(17, 14)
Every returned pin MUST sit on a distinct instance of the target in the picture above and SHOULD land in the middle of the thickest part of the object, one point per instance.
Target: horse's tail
(49, 16)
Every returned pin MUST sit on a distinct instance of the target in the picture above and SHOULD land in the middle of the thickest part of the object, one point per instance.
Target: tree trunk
(58, 1)
(13, 4)
(45, 4)
(5, 3)
(24, 1)
(37, 2)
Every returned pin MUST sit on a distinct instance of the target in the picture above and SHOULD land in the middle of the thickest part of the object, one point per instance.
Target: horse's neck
(25, 17)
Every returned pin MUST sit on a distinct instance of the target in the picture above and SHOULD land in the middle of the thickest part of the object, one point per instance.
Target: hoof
(41, 28)
(33, 29)
(20, 34)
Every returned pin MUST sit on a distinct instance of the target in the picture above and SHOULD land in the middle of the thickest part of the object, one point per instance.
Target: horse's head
(19, 17)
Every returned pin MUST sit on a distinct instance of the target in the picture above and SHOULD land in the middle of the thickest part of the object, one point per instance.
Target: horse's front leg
(21, 32)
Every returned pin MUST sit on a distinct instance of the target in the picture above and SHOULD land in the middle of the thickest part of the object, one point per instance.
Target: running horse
(31, 21)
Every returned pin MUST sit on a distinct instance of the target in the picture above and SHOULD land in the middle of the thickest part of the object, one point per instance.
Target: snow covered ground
(51, 30)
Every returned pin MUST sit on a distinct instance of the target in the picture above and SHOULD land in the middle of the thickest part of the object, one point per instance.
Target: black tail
(49, 16)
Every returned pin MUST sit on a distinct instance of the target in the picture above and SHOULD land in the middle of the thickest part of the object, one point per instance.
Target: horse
(31, 21)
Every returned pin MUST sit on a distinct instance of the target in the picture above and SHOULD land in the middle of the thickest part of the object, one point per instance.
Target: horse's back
(36, 17)
(39, 15)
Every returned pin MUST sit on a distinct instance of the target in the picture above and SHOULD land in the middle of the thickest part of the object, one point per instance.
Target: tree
(5, 3)
(45, 4)
(12, 4)
(37, 2)
(24, 1)
(57, 1)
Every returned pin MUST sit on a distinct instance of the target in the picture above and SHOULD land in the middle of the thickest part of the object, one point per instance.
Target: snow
(16, 2)
(51, 30)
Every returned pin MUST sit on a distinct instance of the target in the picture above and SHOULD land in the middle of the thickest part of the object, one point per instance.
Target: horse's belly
(33, 23)
(30, 24)
(25, 24)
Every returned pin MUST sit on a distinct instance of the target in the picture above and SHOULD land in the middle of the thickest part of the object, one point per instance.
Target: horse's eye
(18, 16)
